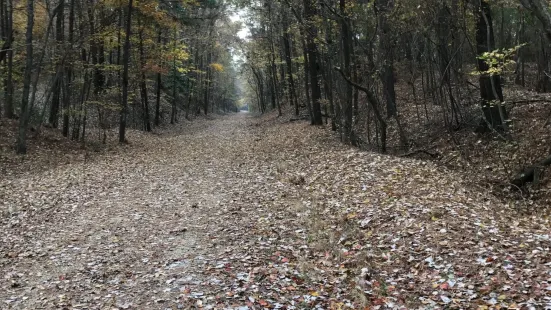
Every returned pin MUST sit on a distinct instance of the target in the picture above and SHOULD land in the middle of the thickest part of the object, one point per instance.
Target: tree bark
(540, 8)
(8, 82)
(191, 85)
(56, 97)
(289, 64)
(143, 85)
(307, 88)
(490, 86)
(273, 72)
(260, 87)
(158, 90)
(346, 52)
(207, 83)
(519, 70)
(372, 100)
(68, 75)
(310, 13)
(21, 145)
(382, 8)
(7, 29)
(126, 62)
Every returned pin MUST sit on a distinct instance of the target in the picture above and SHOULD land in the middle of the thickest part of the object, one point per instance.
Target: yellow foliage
(217, 67)
(176, 52)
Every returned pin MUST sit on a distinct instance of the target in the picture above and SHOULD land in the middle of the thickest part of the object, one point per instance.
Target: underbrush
(486, 159)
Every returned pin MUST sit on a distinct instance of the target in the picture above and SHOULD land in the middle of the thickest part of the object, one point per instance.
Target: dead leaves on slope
(277, 216)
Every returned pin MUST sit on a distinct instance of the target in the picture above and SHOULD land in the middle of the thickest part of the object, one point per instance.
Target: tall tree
(56, 98)
(540, 8)
(346, 35)
(21, 145)
(310, 14)
(158, 89)
(386, 50)
(491, 93)
(126, 64)
(68, 73)
(6, 56)
(289, 61)
(143, 80)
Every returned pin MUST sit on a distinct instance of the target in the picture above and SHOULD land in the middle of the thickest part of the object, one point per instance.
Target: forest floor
(250, 213)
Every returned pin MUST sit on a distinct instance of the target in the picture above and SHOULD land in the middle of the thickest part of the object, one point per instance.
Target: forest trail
(244, 213)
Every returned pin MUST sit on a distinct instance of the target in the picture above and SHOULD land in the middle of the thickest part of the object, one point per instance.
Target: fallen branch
(528, 101)
(296, 119)
(415, 152)
(531, 173)
(372, 100)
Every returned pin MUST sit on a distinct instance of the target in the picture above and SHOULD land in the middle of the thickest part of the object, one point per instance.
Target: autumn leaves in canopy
(78, 64)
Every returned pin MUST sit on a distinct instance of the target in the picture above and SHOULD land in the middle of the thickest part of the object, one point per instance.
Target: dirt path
(231, 214)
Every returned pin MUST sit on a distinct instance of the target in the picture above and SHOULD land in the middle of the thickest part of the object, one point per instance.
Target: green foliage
(498, 60)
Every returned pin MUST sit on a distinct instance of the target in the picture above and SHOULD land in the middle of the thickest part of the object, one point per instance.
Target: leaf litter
(248, 213)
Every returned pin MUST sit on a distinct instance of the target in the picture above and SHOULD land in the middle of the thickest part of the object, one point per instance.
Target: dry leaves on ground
(247, 213)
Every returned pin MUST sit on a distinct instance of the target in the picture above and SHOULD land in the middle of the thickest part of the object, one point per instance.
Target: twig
(530, 101)
(433, 155)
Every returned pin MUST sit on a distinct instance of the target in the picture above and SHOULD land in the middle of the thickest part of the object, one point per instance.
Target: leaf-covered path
(243, 213)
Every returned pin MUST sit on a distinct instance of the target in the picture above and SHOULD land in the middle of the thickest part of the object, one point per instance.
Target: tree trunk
(158, 90)
(445, 19)
(126, 62)
(260, 87)
(56, 97)
(519, 70)
(490, 86)
(9, 89)
(273, 71)
(289, 64)
(372, 100)
(207, 81)
(200, 80)
(143, 85)
(386, 55)
(307, 89)
(21, 145)
(173, 119)
(68, 75)
(310, 13)
(457, 62)
(3, 23)
(6, 26)
(540, 8)
(8, 82)
(97, 55)
(346, 49)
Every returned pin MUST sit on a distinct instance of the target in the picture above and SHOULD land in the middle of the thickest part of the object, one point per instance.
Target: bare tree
(21, 145)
